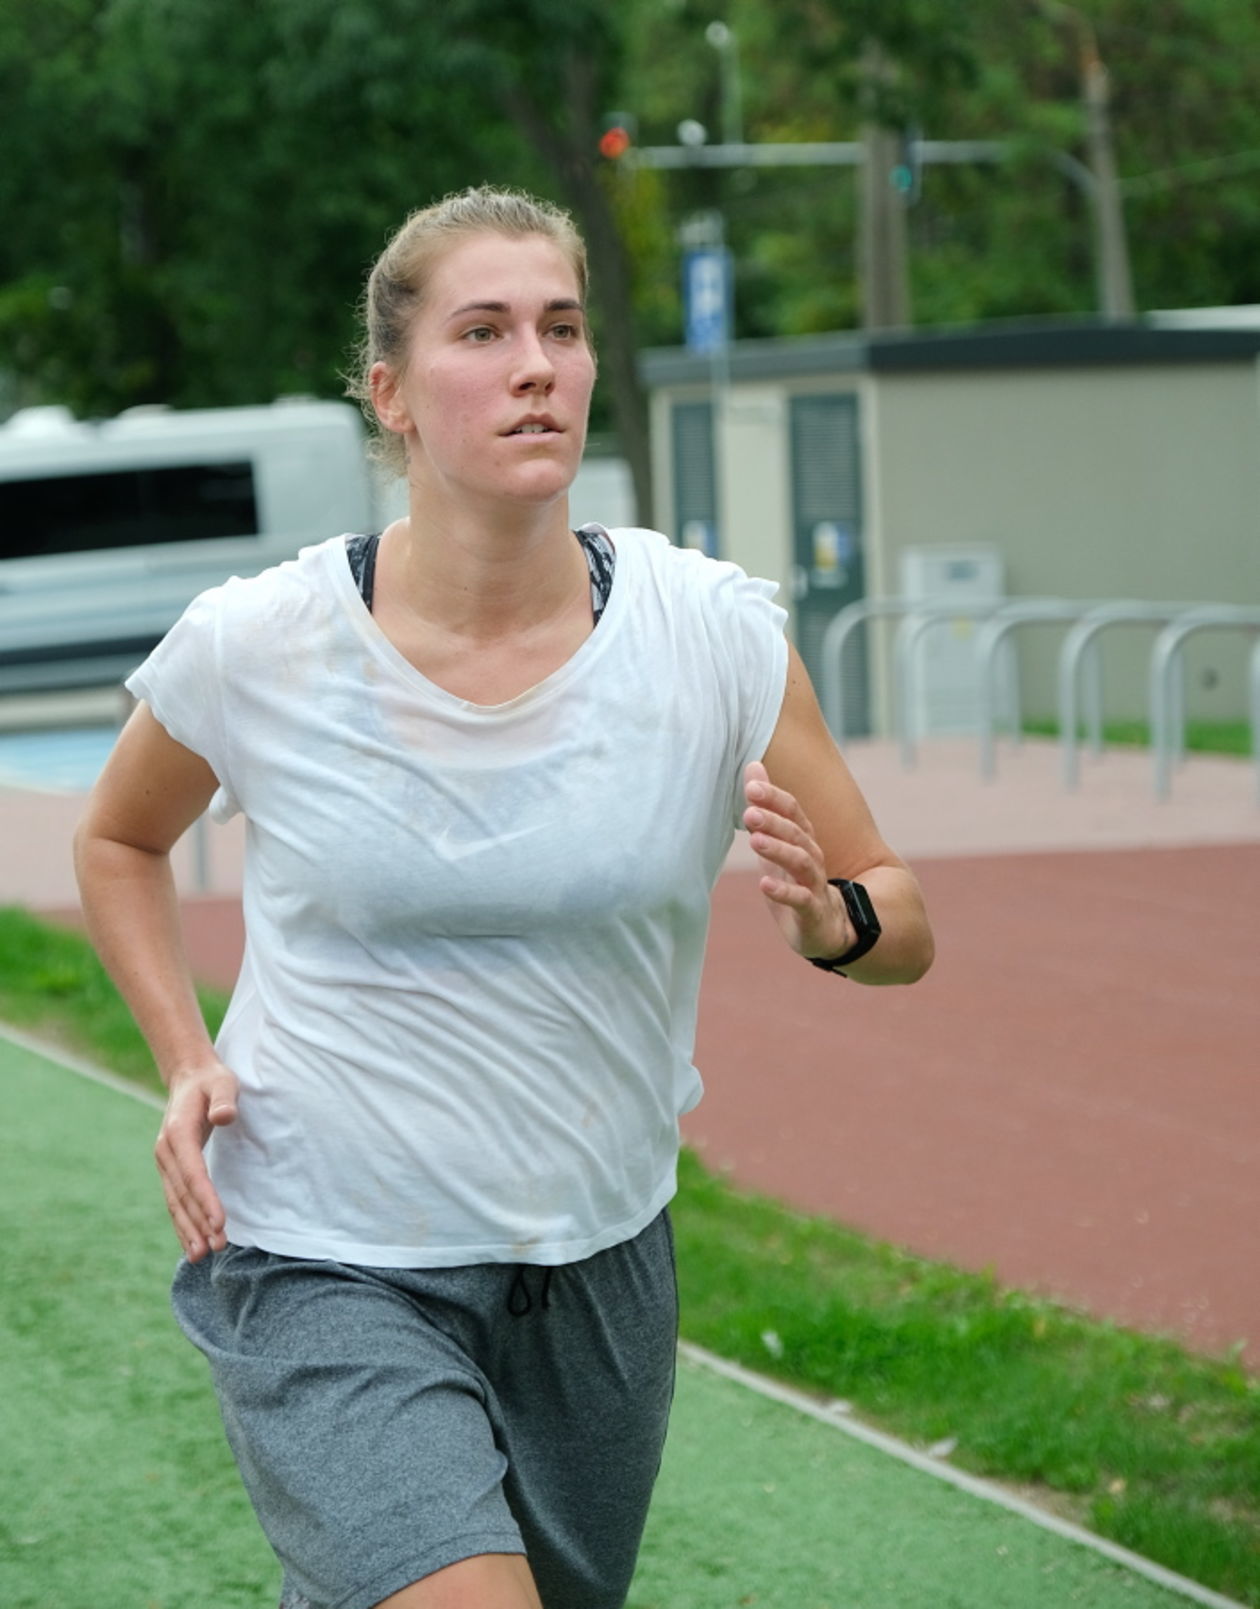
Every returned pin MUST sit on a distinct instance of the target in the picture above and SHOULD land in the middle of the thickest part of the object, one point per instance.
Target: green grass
(117, 1488)
(1204, 737)
(1126, 1433)
(52, 984)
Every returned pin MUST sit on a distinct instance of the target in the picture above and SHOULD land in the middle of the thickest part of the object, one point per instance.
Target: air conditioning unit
(943, 692)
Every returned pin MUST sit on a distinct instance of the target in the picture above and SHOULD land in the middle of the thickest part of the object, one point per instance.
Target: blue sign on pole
(707, 284)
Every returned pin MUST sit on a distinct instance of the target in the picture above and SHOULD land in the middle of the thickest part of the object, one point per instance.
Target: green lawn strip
(1124, 1433)
(117, 1488)
(1127, 1434)
(1204, 737)
(52, 983)
(757, 1504)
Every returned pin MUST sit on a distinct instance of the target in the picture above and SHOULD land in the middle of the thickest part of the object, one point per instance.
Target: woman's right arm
(151, 791)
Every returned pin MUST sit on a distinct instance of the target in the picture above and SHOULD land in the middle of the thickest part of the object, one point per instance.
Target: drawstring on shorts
(519, 1301)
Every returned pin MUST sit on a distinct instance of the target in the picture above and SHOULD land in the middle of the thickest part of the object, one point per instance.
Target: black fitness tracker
(865, 924)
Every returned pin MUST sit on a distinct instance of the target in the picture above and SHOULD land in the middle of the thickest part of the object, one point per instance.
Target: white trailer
(108, 530)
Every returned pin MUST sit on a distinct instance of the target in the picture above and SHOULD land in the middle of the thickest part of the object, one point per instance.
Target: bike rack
(842, 626)
(839, 629)
(1079, 654)
(989, 639)
(1167, 710)
(1255, 713)
(1082, 641)
(925, 616)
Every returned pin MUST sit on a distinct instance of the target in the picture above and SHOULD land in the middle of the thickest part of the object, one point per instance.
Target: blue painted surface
(66, 760)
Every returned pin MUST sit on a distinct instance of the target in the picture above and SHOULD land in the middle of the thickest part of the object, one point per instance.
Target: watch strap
(857, 902)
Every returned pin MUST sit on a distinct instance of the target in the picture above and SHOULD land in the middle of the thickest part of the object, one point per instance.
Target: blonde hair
(396, 286)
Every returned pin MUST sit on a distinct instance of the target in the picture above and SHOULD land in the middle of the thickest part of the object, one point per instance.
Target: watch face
(866, 927)
(861, 911)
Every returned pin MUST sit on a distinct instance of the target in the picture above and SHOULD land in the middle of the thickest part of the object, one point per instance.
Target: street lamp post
(726, 44)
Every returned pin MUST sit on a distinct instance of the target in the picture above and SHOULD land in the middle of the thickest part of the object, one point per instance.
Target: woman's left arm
(808, 822)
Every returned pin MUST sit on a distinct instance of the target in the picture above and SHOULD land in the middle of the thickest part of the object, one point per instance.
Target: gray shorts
(388, 1422)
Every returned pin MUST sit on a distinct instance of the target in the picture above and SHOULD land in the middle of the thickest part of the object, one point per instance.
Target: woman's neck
(478, 578)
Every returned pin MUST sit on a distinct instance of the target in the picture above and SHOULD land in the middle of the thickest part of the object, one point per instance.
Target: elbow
(85, 846)
(918, 947)
(914, 959)
(921, 963)
(81, 850)
(93, 854)
(905, 962)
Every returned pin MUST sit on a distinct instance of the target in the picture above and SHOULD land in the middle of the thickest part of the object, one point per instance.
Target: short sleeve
(747, 630)
(182, 683)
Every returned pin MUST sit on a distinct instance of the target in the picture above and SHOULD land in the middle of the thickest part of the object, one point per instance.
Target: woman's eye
(479, 335)
(566, 332)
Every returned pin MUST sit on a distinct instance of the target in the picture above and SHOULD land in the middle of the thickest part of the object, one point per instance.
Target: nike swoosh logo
(478, 846)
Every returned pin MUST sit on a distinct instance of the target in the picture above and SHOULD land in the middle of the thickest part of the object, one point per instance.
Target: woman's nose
(535, 368)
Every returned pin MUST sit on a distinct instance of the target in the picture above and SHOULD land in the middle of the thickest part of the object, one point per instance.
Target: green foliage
(193, 189)
(1128, 1434)
(1123, 1432)
(1204, 737)
(986, 240)
(230, 169)
(52, 983)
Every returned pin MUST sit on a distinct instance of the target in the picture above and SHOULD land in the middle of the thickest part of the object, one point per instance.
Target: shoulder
(720, 616)
(686, 571)
(242, 628)
(282, 590)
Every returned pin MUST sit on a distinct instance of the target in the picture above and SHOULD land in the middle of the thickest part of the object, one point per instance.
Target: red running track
(1071, 1098)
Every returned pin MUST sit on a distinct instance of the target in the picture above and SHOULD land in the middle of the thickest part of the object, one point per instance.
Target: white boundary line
(77, 1064)
(971, 1484)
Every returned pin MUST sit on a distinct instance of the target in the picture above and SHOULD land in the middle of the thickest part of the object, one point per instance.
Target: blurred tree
(986, 241)
(553, 69)
(226, 171)
(193, 189)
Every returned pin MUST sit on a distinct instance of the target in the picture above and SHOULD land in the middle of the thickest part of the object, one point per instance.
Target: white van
(108, 530)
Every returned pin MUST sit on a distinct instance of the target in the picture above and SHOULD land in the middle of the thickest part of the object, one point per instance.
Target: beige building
(1075, 460)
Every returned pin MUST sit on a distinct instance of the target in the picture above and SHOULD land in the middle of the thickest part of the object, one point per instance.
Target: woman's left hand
(810, 913)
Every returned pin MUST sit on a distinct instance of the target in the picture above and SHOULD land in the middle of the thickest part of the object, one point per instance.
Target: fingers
(809, 914)
(759, 790)
(781, 833)
(222, 1108)
(197, 1103)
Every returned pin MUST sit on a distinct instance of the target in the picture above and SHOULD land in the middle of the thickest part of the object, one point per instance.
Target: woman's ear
(387, 399)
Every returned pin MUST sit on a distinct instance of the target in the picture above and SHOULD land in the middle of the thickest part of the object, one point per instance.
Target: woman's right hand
(200, 1099)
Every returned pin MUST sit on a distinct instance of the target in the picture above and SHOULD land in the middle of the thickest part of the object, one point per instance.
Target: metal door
(828, 569)
(695, 478)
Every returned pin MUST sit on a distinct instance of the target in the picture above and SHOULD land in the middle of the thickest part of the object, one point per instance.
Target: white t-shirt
(465, 1019)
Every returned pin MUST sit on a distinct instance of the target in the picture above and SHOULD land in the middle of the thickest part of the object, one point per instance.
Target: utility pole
(883, 272)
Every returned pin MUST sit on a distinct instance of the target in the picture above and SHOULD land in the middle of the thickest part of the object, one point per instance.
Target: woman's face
(494, 398)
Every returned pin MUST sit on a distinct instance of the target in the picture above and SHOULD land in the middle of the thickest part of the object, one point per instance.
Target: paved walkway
(1072, 1098)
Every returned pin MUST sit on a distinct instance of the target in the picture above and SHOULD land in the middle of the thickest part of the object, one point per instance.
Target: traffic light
(620, 132)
